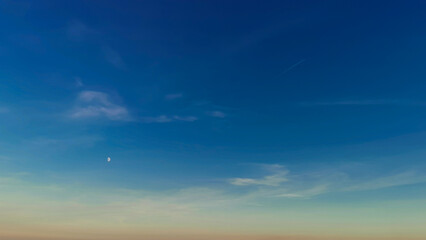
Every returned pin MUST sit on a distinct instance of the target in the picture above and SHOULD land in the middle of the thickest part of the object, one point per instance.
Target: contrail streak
(290, 68)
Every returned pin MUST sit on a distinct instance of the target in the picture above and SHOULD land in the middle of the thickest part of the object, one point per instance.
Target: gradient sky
(223, 119)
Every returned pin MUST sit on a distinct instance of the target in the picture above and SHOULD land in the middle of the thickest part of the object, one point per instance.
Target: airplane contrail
(290, 68)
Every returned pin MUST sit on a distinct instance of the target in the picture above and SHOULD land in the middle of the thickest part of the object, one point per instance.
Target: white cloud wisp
(95, 104)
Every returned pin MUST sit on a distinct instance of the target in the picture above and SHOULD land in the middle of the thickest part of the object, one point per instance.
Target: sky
(206, 120)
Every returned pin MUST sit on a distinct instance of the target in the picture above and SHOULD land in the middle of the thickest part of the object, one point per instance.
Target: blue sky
(261, 106)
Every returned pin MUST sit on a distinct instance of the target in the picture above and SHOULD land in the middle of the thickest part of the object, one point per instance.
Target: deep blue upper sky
(194, 90)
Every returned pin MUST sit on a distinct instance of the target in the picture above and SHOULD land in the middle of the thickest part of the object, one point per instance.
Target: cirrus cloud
(217, 114)
(278, 176)
(95, 104)
(167, 119)
(173, 96)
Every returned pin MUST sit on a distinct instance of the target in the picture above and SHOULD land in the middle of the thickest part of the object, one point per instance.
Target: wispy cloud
(92, 104)
(167, 119)
(278, 176)
(394, 180)
(113, 57)
(78, 31)
(304, 193)
(281, 183)
(78, 82)
(173, 96)
(217, 114)
(158, 119)
(96, 104)
(4, 110)
(185, 118)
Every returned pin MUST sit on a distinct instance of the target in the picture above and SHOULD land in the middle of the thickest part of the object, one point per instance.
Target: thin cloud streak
(398, 179)
(173, 96)
(113, 57)
(4, 110)
(78, 82)
(78, 31)
(279, 176)
(280, 183)
(167, 119)
(216, 114)
(290, 68)
(185, 118)
(95, 104)
(158, 119)
(306, 193)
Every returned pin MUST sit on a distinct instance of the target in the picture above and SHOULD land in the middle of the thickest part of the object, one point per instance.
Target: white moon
(109, 159)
